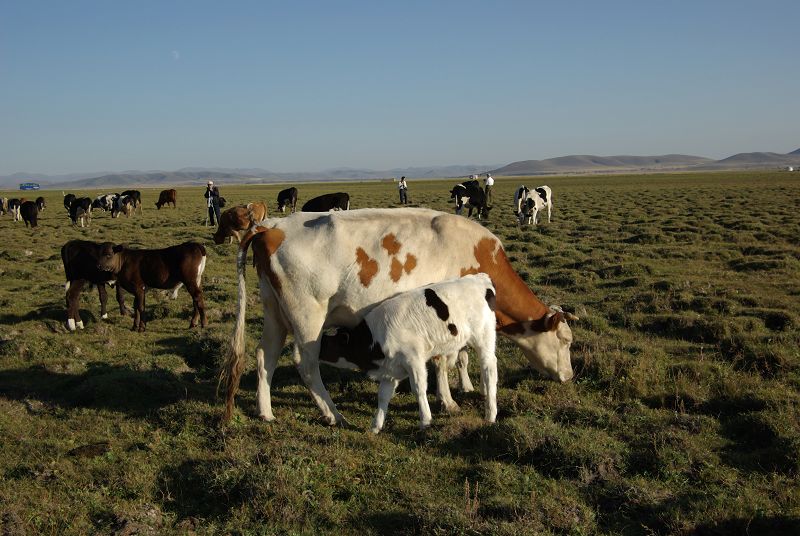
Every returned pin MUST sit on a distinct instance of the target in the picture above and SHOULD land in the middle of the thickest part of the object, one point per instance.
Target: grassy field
(683, 417)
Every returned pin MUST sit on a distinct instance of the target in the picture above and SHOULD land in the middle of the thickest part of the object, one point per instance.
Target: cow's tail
(231, 371)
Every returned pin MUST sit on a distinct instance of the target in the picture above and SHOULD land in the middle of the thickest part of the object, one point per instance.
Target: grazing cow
(470, 195)
(235, 220)
(287, 199)
(328, 202)
(14, 205)
(398, 336)
(81, 208)
(105, 202)
(29, 211)
(40, 203)
(80, 266)
(137, 270)
(167, 196)
(319, 270)
(536, 200)
(68, 199)
(123, 204)
(520, 196)
(136, 198)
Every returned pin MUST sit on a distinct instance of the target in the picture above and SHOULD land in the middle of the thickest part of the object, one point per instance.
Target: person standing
(403, 188)
(489, 184)
(212, 197)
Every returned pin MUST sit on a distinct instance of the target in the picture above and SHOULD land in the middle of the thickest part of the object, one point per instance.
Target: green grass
(683, 416)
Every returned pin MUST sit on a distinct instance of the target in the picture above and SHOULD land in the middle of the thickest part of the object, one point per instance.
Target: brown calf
(166, 196)
(237, 219)
(136, 270)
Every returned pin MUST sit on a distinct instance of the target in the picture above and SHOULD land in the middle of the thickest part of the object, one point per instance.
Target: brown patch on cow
(453, 329)
(410, 264)
(396, 270)
(517, 328)
(265, 243)
(390, 244)
(433, 300)
(369, 267)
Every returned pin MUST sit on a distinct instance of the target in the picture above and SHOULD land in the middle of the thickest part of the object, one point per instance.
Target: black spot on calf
(453, 329)
(433, 300)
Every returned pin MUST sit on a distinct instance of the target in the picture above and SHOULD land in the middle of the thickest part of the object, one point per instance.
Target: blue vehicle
(29, 186)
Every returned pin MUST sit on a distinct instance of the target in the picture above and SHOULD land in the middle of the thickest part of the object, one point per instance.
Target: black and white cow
(520, 196)
(40, 203)
(136, 197)
(29, 211)
(68, 199)
(328, 202)
(80, 259)
(123, 204)
(287, 199)
(104, 202)
(469, 194)
(14, 205)
(3, 206)
(81, 208)
(537, 199)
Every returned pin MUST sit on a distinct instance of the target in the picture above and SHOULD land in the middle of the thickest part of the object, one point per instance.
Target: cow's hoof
(450, 409)
(105, 316)
(266, 418)
(79, 323)
(71, 324)
(375, 430)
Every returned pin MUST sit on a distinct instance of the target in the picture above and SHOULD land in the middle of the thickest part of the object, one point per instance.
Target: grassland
(683, 417)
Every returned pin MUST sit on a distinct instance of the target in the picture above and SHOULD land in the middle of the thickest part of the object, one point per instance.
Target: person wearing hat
(212, 197)
(489, 184)
(403, 187)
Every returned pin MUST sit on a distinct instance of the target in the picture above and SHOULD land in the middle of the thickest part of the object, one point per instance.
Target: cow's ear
(553, 321)
(118, 248)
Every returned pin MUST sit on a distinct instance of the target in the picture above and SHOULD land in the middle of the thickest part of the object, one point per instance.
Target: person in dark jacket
(212, 198)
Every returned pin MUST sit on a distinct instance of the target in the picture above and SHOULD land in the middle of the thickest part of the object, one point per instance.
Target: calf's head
(232, 220)
(109, 259)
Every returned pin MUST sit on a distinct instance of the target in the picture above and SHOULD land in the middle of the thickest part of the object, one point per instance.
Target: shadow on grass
(44, 312)
(764, 525)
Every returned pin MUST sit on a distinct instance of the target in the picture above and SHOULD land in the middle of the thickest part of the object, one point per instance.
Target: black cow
(40, 203)
(81, 207)
(30, 213)
(328, 202)
(287, 198)
(470, 195)
(68, 199)
(136, 195)
(80, 266)
(14, 205)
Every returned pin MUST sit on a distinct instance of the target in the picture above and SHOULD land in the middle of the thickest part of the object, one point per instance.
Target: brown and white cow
(322, 270)
(165, 197)
(234, 221)
(137, 270)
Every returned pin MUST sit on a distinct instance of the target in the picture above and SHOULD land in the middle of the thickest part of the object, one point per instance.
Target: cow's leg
(121, 301)
(486, 353)
(443, 384)
(385, 393)
(101, 291)
(306, 357)
(73, 293)
(199, 304)
(273, 337)
(418, 378)
(549, 208)
(138, 310)
(462, 363)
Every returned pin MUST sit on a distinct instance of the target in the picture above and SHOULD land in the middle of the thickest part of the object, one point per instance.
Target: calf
(536, 200)
(123, 204)
(167, 196)
(136, 270)
(520, 196)
(136, 199)
(328, 202)
(397, 337)
(287, 198)
(235, 220)
(471, 196)
(81, 208)
(40, 203)
(29, 212)
(105, 202)
(68, 199)
(80, 266)
(14, 207)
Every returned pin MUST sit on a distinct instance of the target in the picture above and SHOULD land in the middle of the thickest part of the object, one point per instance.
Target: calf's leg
(443, 384)
(418, 377)
(462, 363)
(73, 294)
(101, 291)
(385, 393)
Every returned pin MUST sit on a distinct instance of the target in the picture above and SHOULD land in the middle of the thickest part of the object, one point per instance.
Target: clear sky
(305, 86)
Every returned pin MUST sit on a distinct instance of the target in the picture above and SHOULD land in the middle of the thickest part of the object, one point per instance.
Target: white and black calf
(328, 202)
(80, 266)
(137, 270)
(81, 209)
(29, 212)
(68, 199)
(14, 205)
(288, 199)
(470, 195)
(536, 200)
(397, 337)
(40, 203)
(104, 202)
(136, 199)
(123, 204)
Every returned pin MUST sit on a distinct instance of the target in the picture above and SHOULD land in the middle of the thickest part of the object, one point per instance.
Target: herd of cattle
(391, 290)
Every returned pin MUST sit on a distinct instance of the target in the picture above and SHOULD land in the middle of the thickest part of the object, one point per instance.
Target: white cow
(321, 270)
(528, 203)
(398, 336)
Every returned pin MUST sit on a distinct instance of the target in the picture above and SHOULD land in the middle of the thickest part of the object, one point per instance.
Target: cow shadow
(42, 312)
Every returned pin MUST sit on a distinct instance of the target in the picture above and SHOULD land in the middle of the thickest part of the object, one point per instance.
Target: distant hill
(758, 160)
(591, 163)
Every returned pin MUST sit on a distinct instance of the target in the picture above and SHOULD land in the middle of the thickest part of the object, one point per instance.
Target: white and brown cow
(321, 270)
(234, 221)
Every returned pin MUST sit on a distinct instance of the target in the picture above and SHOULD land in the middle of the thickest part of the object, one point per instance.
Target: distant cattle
(234, 221)
(136, 197)
(328, 202)
(105, 202)
(535, 200)
(68, 199)
(40, 203)
(81, 209)
(3, 206)
(470, 195)
(287, 199)
(14, 205)
(29, 212)
(80, 259)
(137, 270)
(123, 204)
(167, 196)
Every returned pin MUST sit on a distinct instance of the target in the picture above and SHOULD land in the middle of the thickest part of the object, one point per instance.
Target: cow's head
(230, 222)
(546, 343)
(109, 259)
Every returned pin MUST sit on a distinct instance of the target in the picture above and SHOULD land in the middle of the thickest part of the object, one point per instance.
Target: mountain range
(573, 164)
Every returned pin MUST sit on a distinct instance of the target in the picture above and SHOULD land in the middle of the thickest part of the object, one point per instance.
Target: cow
(3, 206)
(29, 211)
(40, 203)
(80, 267)
(136, 198)
(470, 195)
(123, 204)
(68, 199)
(167, 196)
(14, 205)
(81, 208)
(235, 220)
(396, 339)
(370, 255)
(287, 199)
(537, 199)
(137, 270)
(327, 202)
(105, 202)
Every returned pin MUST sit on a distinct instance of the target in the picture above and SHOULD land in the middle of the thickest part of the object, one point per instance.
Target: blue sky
(304, 86)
